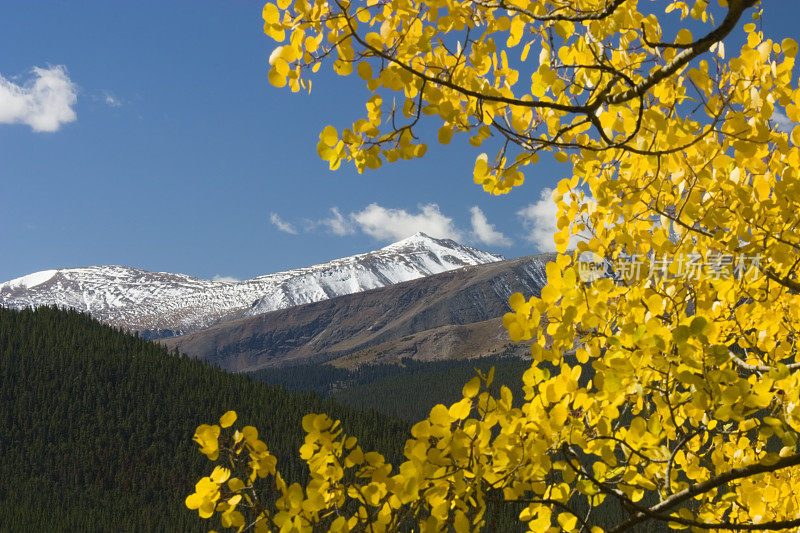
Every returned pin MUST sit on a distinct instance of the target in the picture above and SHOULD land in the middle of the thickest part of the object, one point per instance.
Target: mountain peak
(416, 239)
(422, 241)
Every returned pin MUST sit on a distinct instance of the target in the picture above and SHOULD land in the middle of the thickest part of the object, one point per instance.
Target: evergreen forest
(96, 426)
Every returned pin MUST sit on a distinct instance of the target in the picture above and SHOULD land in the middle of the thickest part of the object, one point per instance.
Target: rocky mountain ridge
(160, 304)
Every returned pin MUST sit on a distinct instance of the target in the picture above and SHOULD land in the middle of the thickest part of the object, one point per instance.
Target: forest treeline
(407, 390)
(96, 425)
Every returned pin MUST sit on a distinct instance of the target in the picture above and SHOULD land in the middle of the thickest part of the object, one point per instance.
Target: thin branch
(758, 368)
(668, 474)
(553, 17)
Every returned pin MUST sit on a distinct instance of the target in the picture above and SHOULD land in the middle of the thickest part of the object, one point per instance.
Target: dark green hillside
(96, 425)
(407, 391)
(412, 395)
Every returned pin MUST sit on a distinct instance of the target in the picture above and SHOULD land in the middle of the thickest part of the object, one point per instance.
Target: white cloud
(395, 224)
(337, 223)
(484, 232)
(228, 279)
(388, 224)
(281, 224)
(540, 220)
(43, 103)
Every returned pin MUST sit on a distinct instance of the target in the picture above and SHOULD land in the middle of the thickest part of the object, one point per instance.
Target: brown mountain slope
(332, 329)
(467, 341)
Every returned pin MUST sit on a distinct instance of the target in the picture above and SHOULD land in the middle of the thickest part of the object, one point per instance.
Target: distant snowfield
(139, 300)
(30, 281)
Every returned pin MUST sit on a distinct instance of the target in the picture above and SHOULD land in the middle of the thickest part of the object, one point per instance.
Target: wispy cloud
(395, 224)
(111, 100)
(281, 224)
(540, 219)
(226, 279)
(44, 102)
(484, 232)
(337, 223)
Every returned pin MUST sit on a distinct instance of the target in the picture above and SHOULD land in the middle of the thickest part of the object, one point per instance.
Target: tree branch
(552, 17)
(782, 280)
(705, 486)
(735, 10)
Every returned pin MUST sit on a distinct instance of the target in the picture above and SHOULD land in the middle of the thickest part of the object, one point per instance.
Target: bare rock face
(458, 310)
(161, 304)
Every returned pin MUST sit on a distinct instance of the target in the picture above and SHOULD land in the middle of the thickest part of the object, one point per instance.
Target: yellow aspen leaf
(440, 415)
(550, 294)
(762, 187)
(227, 419)
(220, 474)
(559, 413)
(481, 168)
(515, 33)
(471, 389)
(276, 54)
(364, 71)
(363, 15)
(460, 410)
(276, 79)
(567, 521)
(525, 50)
(684, 36)
(564, 29)
(445, 134)
(795, 136)
(789, 47)
(329, 136)
(517, 301)
(343, 68)
(270, 14)
(324, 151)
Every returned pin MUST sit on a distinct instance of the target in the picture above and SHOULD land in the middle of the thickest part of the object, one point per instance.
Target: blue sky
(181, 155)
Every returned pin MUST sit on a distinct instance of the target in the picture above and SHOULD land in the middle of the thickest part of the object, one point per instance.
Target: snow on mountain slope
(166, 304)
(411, 258)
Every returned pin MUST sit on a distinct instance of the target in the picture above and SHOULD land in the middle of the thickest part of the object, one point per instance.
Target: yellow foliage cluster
(675, 394)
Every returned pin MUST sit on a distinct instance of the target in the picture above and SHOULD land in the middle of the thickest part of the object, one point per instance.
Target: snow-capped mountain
(164, 304)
